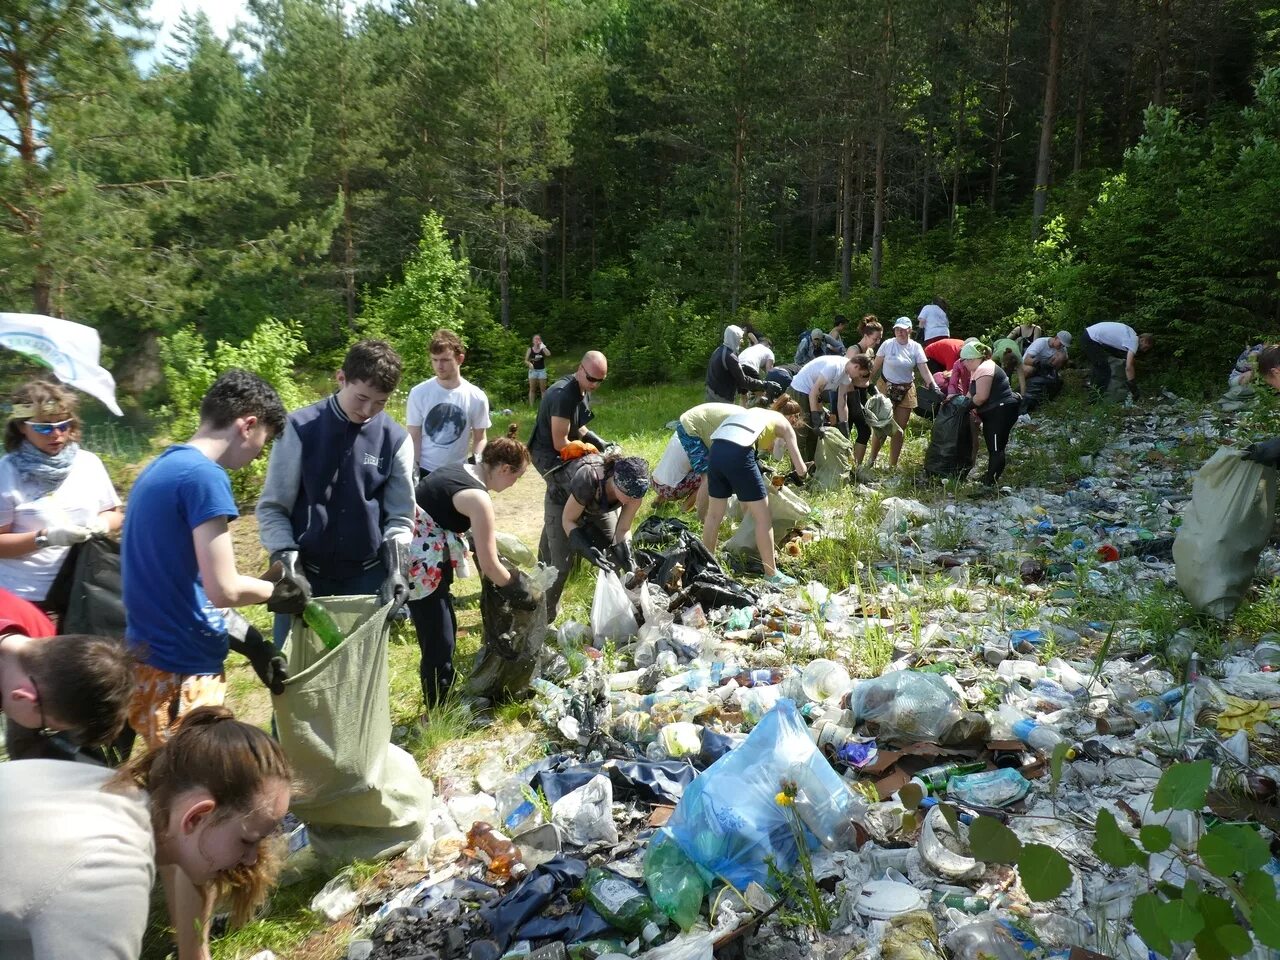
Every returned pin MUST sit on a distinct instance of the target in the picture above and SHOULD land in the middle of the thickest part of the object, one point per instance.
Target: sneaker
(780, 579)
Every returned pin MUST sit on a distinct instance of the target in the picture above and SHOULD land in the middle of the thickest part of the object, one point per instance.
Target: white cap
(902, 323)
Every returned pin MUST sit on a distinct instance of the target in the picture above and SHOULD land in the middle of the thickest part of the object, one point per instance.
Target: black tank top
(537, 358)
(436, 492)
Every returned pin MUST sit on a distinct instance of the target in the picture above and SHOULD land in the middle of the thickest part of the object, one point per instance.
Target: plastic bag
(833, 461)
(611, 615)
(906, 705)
(1223, 531)
(786, 508)
(729, 821)
(950, 451)
(586, 815)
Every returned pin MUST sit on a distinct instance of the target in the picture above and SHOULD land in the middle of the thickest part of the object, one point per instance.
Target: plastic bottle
(622, 905)
(757, 678)
(933, 780)
(984, 939)
(501, 855)
(1039, 737)
(322, 624)
(1150, 709)
(674, 883)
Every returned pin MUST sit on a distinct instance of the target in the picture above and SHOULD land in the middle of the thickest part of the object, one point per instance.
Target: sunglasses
(45, 429)
(590, 378)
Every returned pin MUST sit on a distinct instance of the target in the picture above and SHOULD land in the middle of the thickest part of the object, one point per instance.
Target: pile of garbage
(920, 764)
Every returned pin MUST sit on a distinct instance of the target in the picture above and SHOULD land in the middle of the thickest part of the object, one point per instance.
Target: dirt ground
(519, 510)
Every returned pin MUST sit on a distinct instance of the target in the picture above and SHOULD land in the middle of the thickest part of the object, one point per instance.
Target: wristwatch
(42, 539)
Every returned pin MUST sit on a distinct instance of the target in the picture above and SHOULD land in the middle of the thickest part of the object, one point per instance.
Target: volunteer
(82, 843)
(992, 400)
(897, 362)
(681, 472)
(836, 333)
(812, 386)
(1042, 363)
(535, 358)
(1267, 452)
(860, 390)
(53, 492)
(872, 333)
(1008, 357)
(447, 416)
(757, 359)
(1111, 339)
(452, 501)
(733, 468)
(1025, 334)
(815, 344)
(599, 497)
(565, 411)
(726, 380)
(933, 321)
(1242, 373)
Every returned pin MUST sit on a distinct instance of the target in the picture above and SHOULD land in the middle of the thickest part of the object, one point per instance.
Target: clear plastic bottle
(1151, 709)
(1040, 737)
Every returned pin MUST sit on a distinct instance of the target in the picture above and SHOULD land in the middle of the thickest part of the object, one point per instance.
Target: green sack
(1118, 388)
(833, 461)
(361, 797)
(787, 510)
(1224, 529)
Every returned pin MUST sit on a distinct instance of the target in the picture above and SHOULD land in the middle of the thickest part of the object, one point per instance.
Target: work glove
(98, 527)
(773, 389)
(580, 543)
(620, 554)
(817, 419)
(266, 660)
(394, 555)
(1265, 452)
(796, 479)
(1133, 388)
(292, 589)
(67, 536)
(843, 427)
(518, 591)
(597, 441)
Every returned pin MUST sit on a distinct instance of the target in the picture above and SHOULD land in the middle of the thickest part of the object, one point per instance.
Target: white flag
(70, 350)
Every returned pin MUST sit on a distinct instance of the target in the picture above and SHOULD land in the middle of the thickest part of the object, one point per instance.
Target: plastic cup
(823, 679)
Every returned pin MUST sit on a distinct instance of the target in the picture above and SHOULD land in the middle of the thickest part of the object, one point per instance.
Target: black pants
(1099, 357)
(997, 424)
(436, 624)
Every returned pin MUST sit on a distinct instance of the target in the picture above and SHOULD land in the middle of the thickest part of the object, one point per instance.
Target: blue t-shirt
(172, 626)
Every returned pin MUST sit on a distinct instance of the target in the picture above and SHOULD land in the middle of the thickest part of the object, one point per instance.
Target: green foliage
(272, 352)
(437, 293)
(995, 842)
(1112, 845)
(1183, 786)
(662, 341)
(1043, 870)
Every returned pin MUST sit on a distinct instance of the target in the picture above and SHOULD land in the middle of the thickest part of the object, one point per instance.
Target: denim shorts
(694, 449)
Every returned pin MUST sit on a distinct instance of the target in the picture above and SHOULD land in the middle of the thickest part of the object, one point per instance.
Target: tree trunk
(860, 191)
(739, 189)
(846, 218)
(1002, 102)
(924, 185)
(877, 225)
(815, 195)
(1045, 156)
(504, 253)
(24, 110)
(348, 251)
(564, 237)
(1082, 91)
(1162, 52)
(545, 243)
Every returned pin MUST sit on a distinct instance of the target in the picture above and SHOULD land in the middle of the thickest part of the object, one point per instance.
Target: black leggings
(997, 424)
(437, 627)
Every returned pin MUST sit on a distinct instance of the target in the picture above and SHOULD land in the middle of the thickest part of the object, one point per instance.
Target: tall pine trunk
(1002, 103)
(1045, 156)
(846, 217)
(882, 136)
(739, 190)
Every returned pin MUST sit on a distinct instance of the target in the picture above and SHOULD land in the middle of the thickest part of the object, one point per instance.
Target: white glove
(98, 526)
(66, 536)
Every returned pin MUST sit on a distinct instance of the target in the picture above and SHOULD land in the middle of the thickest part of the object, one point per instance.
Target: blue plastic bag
(729, 821)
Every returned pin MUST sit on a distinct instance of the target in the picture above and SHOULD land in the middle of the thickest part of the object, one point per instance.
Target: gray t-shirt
(79, 863)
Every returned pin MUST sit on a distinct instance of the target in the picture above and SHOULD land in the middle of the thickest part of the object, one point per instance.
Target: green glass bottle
(934, 779)
(322, 624)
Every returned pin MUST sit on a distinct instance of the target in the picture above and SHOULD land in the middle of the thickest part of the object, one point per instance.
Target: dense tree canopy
(633, 174)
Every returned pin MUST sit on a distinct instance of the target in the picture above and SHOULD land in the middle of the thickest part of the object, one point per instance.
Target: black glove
(1265, 452)
(518, 591)
(843, 427)
(580, 543)
(817, 419)
(961, 401)
(292, 589)
(620, 554)
(265, 659)
(394, 555)
(795, 479)
(773, 389)
(1133, 388)
(597, 441)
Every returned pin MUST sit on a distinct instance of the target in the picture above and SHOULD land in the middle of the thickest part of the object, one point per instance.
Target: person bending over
(1267, 452)
(726, 380)
(1112, 340)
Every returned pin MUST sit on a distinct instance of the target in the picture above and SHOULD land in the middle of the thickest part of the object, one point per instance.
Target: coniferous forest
(635, 174)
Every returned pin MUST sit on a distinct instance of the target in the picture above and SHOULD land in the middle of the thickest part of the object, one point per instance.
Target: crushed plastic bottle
(1150, 709)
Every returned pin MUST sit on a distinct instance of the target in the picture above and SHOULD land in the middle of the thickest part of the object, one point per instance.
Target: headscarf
(732, 337)
(631, 475)
(974, 351)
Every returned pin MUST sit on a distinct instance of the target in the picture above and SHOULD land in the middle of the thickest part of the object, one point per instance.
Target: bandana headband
(25, 411)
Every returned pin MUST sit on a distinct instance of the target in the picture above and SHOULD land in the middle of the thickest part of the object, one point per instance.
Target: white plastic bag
(586, 815)
(611, 615)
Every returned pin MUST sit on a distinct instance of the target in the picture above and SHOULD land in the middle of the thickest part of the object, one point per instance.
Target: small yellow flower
(783, 799)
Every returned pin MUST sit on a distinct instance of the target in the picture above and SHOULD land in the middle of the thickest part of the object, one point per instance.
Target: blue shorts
(733, 468)
(538, 374)
(694, 449)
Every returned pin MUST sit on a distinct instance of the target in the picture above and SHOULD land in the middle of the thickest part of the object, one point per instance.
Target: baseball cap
(902, 323)
(1064, 337)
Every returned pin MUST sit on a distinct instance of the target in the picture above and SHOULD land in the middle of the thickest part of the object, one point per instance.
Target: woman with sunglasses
(53, 493)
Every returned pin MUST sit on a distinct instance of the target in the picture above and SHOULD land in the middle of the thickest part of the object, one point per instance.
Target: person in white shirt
(81, 844)
(447, 415)
(817, 380)
(933, 321)
(757, 359)
(53, 492)
(1111, 339)
(1041, 363)
(897, 362)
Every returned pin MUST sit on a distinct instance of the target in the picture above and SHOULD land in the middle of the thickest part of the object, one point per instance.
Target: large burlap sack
(787, 510)
(361, 797)
(832, 461)
(1224, 528)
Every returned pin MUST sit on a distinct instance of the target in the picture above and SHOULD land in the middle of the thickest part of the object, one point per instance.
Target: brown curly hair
(53, 401)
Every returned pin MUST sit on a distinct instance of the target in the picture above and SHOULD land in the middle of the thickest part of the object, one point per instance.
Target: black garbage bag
(929, 401)
(86, 596)
(950, 452)
(1041, 388)
(514, 650)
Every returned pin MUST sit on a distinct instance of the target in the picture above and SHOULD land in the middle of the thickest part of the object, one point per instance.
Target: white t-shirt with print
(935, 321)
(757, 357)
(829, 368)
(85, 493)
(900, 359)
(446, 418)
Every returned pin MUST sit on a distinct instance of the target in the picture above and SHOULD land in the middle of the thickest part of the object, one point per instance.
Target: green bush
(662, 341)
